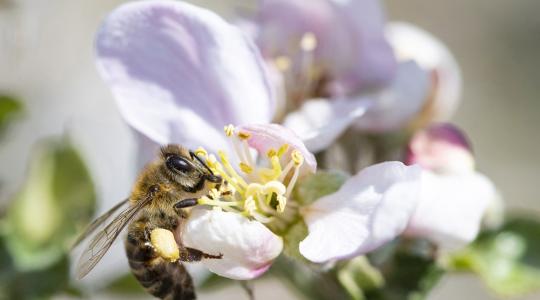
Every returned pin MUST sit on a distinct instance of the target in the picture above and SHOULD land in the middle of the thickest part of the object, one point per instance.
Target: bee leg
(180, 205)
(190, 255)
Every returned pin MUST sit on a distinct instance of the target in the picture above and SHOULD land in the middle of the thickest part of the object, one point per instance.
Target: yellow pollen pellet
(229, 130)
(165, 244)
(244, 135)
(308, 42)
(297, 157)
(245, 168)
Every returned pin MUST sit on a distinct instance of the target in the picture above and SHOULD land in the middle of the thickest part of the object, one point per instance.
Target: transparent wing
(90, 229)
(103, 240)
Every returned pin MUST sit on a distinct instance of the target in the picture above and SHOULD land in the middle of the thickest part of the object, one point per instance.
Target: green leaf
(38, 284)
(507, 260)
(57, 199)
(9, 108)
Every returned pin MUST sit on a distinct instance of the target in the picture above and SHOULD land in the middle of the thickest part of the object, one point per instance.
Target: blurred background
(47, 64)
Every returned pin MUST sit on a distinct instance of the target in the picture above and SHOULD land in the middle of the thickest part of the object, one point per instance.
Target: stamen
(283, 63)
(297, 157)
(230, 169)
(201, 152)
(245, 168)
(282, 150)
(308, 42)
(229, 130)
(244, 135)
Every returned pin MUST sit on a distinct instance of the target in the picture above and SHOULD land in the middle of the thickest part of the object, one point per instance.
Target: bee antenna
(193, 155)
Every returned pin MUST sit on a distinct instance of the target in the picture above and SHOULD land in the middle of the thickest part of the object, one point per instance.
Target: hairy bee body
(157, 202)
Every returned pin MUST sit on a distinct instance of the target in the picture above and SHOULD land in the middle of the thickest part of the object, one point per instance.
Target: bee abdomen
(160, 278)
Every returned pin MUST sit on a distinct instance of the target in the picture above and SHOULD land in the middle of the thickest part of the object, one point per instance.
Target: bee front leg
(190, 255)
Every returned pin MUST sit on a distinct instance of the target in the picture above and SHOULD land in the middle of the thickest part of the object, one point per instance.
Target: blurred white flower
(413, 43)
(454, 196)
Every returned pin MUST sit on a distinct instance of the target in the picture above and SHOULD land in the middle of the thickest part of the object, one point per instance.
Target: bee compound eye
(179, 164)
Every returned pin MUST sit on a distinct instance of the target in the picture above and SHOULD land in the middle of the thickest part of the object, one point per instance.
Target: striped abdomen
(163, 279)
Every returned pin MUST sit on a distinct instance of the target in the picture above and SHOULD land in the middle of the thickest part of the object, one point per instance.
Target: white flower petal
(370, 209)
(411, 42)
(179, 72)
(248, 247)
(399, 103)
(451, 208)
(272, 136)
(320, 122)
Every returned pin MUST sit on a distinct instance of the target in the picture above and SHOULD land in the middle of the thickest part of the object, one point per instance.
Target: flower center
(258, 190)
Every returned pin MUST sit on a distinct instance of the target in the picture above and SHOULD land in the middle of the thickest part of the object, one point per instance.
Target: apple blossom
(179, 74)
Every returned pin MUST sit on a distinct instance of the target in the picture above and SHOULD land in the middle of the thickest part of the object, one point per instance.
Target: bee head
(186, 169)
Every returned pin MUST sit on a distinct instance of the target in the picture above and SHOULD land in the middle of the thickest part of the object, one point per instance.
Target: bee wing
(99, 222)
(103, 240)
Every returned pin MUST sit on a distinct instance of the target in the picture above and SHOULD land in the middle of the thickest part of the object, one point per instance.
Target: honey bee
(156, 207)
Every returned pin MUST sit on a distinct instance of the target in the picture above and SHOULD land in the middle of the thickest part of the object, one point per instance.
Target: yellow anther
(244, 135)
(282, 149)
(271, 152)
(201, 152)
(297, 157)
(308, 42)
(283, 63)
(211, 161)
(245, 168)
(229, 130)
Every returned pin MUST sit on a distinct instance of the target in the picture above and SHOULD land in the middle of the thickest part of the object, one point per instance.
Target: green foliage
(409, 270)
(358, 275)
(57, 199)
(508, 260)
(9, 108)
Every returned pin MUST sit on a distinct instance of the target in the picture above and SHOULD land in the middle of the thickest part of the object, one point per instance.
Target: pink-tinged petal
(272, 136)
(178, 71)
(413, 43)
(248, 247)
(451, 208)
(370, 209)
(399, 103)
(441, 148)
(351, 47)
(320, 122)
